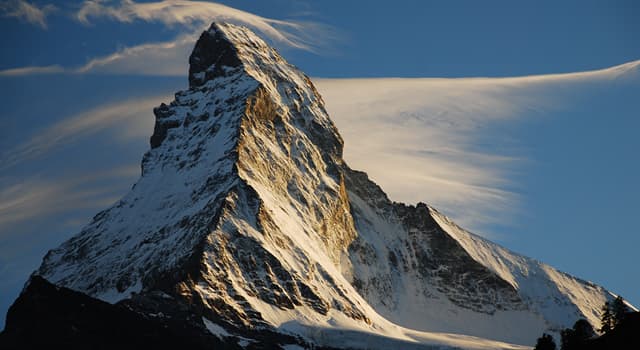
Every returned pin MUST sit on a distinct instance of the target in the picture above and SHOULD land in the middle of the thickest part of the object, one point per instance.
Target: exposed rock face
(247, 216)
(212, 52)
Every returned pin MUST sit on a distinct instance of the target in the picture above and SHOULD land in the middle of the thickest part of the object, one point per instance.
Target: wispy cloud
(197, 14)
(415, 138)
(133, 118)
(39, 196)
(420, 139)
(165, 58)
(170, 58)
(26, 11)
(32, 70)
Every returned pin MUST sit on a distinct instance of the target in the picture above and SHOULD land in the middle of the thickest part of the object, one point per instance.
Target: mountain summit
(247, 226)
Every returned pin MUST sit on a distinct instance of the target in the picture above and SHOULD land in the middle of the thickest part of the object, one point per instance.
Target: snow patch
(215, 329)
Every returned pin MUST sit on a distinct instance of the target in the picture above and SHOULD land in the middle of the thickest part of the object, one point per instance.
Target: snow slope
(246, 213)
(560, 298)
(420, 270)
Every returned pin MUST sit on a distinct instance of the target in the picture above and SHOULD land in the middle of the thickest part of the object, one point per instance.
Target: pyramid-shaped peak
(225, 45)
(246, 219)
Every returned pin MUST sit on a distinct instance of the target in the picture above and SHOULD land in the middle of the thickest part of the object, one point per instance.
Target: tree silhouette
(574, 338)
(567, 339)
(618, 311)
(545, 343)
(583, 330)
(606, 320)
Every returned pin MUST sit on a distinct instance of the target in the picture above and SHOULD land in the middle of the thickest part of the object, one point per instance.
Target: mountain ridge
(246, 214)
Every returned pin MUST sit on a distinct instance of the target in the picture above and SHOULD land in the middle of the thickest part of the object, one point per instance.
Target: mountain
(246, 224)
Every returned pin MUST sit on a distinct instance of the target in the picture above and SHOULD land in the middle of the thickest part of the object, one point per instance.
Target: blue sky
(544, 164)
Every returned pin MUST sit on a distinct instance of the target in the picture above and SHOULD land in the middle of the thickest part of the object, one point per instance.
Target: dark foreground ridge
(52, 317)
(47, 316)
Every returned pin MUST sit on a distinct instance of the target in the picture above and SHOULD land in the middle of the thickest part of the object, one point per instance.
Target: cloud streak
(37, 197)
(26, 11)
(415, 138)
(197, 14)
(31, 70)
(133, 118)
(422, 139)
(164, 58)
(169, 58)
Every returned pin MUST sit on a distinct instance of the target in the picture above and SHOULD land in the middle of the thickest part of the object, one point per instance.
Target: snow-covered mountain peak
(226, 46)
(247, 216)
(241, 203)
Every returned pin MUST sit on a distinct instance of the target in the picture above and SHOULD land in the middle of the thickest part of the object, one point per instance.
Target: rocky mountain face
(247, 225)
